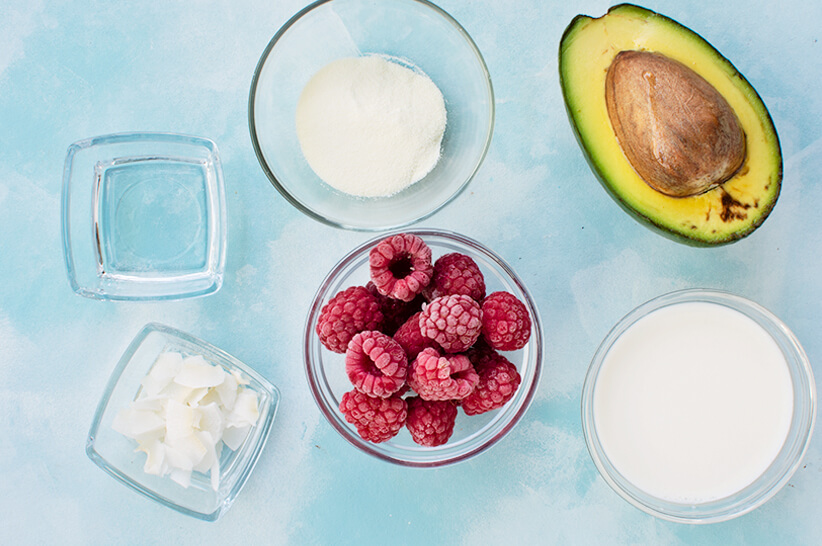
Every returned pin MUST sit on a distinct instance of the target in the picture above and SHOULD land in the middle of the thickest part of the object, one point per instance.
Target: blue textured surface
(71, 70)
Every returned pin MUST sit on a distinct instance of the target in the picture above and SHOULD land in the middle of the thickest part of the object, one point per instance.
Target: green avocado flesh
(722, 214)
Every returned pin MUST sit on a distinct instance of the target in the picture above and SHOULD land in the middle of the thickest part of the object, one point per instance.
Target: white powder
(370, 127)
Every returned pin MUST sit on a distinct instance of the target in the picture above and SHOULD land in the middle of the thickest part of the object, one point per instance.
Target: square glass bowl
(143, 216)
(116, 454)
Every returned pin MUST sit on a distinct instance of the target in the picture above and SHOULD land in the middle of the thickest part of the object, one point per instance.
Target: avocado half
(723, 214)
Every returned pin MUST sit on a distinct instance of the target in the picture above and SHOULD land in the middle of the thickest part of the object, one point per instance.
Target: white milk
(693, 402)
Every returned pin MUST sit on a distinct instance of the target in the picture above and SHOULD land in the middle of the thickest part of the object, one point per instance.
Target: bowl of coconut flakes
(182, 422)
(358, 118)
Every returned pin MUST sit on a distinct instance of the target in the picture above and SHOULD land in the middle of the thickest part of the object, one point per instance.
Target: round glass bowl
(795, 419)
(327, 379)
(412, 32)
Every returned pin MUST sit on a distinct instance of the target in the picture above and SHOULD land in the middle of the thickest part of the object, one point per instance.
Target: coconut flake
(153, 404)
(155, 456)
(210, 456)
(227, 391)
(178, 458)
(177, 392)
(185, 412)
(196, 396)
(245, 410)
(135, 423)
(189, 447)
(196, 373)
(235, 436)
(162, 373)
(211, 420)
(241, 380)
(179, 420)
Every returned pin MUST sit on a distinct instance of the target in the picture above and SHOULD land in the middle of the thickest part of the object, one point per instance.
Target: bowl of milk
(698, 406)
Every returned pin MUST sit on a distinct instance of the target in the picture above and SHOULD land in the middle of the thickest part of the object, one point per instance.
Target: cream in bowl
(698, 406)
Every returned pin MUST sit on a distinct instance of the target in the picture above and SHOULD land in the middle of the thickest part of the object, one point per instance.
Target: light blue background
(70, 70)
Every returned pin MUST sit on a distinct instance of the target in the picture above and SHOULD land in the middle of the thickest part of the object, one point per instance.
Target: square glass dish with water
(143, 216)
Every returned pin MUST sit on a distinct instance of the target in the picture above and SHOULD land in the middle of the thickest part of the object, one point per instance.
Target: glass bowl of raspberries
(423, 347)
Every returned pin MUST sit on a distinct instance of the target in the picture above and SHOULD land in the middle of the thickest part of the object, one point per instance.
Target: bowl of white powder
(371, 115)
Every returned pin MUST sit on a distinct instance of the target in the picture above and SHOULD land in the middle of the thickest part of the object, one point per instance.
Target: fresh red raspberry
(454, 322)
(401, 266)
(430, 422)
(437, 377)
(376, 419)
(376, 364)
(411, 339)
(506, 325)
(395, 312)
(498, 381)
(350, 311)
(456, 273)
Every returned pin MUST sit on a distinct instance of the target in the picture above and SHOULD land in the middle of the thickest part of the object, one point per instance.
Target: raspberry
(436, 377)
(350, 311)
(375, 364)
(395, 312)
(454, 322)
(401, 266)
(411, 339)
(456, 273)
(376, 419)
(498, 381)
(430, 422)
(405, 388)
(506, 325)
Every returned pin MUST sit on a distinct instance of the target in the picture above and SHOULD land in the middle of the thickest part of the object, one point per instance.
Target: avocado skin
(590, 157)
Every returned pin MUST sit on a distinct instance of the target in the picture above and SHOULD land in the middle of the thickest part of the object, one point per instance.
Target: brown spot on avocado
(732, 209)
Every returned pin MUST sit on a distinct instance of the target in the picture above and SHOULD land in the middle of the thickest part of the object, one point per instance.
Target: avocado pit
(678, 132)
